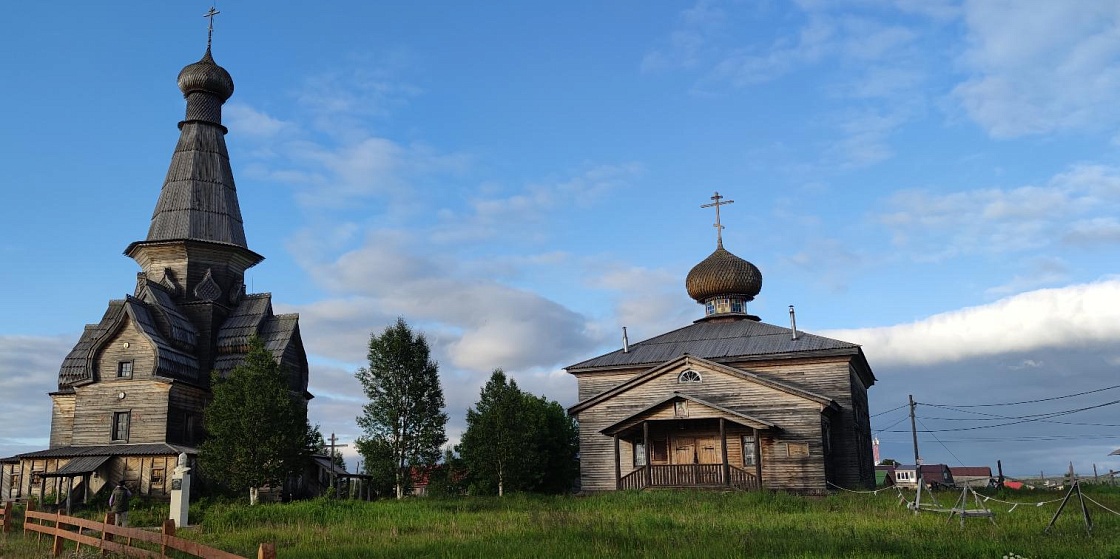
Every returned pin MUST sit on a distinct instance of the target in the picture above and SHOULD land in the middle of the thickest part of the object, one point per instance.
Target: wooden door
(708, 451)
(684, 450)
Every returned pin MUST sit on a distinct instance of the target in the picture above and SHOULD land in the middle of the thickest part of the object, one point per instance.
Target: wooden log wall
(798, 418)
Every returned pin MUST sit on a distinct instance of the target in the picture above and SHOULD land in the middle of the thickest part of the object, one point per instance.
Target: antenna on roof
(210, 32)
(792, 324)
(625, 341)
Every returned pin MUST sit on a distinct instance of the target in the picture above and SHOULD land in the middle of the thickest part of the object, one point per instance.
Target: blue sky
(938, 181)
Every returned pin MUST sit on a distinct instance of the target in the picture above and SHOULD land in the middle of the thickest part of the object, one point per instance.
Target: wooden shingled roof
(718, 340)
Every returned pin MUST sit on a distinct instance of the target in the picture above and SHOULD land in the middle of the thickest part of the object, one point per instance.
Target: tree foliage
(518, 442)
(257, 427)
(404, 421)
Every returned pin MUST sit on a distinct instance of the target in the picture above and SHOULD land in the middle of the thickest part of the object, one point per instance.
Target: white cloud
(28, 371)
(1041, 69)
(1069, 207)
(1069, 317)
(243, 119)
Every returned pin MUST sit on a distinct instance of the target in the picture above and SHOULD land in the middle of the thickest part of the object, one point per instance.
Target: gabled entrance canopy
(667, 409)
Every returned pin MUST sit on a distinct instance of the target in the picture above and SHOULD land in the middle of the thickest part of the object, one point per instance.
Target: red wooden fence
(126, 541)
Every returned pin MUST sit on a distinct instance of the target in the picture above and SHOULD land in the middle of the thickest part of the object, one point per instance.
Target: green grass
(651, 523)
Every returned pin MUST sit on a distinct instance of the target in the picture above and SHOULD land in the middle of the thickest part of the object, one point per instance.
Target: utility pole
(917, 459)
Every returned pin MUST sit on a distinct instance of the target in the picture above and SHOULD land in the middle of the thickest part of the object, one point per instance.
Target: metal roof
(79, 465)
(715, 340)
(149, 449)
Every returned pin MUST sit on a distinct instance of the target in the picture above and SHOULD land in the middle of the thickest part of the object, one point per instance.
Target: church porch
(687, 453)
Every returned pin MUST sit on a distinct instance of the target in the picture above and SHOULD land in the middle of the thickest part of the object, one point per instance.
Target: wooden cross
(333, 440)
(210, 32)
(719, 228)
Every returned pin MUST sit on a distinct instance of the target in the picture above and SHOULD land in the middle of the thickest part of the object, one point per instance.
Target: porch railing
(688, 475)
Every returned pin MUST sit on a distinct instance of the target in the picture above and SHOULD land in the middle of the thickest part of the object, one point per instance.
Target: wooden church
(132, 393)
(727, 401)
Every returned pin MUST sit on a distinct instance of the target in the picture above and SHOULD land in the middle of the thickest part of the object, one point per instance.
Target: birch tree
(403, 423)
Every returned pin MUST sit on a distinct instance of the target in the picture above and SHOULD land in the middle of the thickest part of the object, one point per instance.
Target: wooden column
(723, 450)
(645, 445)
(617, 465)
(758, 457)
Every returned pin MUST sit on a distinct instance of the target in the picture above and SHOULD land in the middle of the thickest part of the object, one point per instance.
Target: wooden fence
(6, 518)
(131, 542)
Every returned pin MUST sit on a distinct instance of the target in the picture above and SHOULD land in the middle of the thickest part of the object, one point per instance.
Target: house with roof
(933, 475)
(132, 392)
(972, 476)
(727, 401)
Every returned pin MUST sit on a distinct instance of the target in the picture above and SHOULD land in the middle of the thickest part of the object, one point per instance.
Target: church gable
(712, 381)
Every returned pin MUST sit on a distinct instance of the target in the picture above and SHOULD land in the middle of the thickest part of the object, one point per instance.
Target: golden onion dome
(723, 273)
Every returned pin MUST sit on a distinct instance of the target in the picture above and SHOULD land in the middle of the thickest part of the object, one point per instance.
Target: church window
(124, 369)
(639, 454)
(749, 456)
(723, 305)
(121, 419)
(737, 305)
(689, 376)
(710, 308)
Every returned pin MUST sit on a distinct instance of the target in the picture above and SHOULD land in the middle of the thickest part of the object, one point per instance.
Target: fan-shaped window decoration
(689, 376)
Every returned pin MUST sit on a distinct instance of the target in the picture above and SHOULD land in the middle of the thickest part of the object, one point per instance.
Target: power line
(890, 410)
(1032, 401)
(1031, 419)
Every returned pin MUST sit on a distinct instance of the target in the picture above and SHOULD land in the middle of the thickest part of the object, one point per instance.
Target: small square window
(157, 476)
(124, 369)
(36, 478)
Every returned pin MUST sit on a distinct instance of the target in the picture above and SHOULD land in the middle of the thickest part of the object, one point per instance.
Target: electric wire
(1033, 401)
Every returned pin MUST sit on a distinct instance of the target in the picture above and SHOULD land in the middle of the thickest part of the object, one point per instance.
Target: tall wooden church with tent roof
(727, 401)
(132, 392)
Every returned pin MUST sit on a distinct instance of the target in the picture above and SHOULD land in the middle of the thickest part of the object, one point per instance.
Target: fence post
(56, 548)
(7, 517)
(266, 551)
(168, 530)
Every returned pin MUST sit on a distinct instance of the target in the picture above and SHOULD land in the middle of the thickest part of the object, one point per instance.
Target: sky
(937, 181)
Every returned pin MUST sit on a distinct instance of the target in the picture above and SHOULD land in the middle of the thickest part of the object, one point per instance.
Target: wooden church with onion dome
(132, 392)
(728, 401)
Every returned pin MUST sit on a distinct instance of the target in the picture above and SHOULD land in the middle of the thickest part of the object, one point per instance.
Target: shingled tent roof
(718, 341)
(198, 200)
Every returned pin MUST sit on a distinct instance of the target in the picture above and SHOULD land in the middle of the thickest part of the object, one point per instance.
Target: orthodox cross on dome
(210, 32)
(716, 203)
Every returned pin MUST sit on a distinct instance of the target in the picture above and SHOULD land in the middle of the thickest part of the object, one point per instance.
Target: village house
(132, 393)
(933, 476)
(972, 476)
(727, 401)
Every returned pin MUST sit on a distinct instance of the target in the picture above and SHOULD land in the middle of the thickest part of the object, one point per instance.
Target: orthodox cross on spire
(210, 32)
(716, 203)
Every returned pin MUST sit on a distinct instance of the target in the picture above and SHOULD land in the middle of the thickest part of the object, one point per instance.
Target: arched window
(689, 376)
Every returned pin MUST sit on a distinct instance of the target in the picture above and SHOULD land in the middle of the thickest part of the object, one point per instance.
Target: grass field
(647, 524)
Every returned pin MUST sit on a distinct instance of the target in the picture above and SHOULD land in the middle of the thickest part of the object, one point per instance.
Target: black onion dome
(206, 75)
(723, 273)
